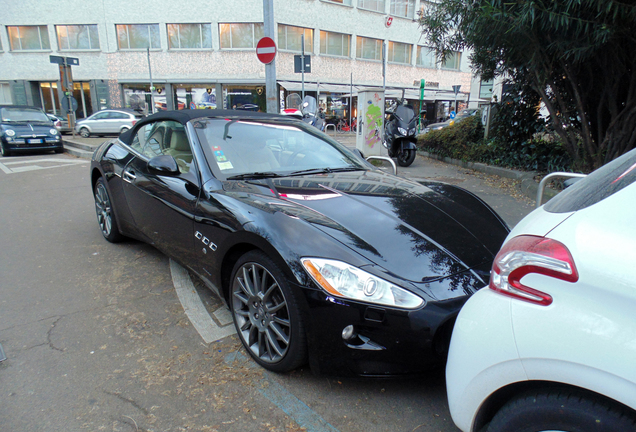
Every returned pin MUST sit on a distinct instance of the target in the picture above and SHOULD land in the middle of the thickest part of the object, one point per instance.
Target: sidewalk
(509, 192)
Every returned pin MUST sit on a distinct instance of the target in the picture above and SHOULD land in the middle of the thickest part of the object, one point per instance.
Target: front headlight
(9, 132)
(53, 131)
(412, 131)
(343, 280)
(402, 131)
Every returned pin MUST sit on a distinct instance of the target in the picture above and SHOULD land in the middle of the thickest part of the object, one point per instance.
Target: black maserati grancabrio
(321, 257)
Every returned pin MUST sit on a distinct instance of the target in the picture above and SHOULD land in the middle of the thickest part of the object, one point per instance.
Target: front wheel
(405, 157)
(560, 410)
(4, 151)
(266, 313)
(84, 132)
(105, 214)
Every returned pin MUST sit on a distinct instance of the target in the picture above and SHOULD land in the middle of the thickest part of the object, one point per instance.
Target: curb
(79, 150)
(528, 186)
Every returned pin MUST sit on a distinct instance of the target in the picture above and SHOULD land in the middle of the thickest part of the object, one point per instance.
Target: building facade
(202, 54)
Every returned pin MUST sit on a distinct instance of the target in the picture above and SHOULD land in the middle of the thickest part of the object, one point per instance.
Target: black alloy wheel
(561, 411)
(406, 157)
(266, 314)
(84, 132)
(105, 214)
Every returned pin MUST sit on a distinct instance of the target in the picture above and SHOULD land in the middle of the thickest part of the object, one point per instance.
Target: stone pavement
(506, 191)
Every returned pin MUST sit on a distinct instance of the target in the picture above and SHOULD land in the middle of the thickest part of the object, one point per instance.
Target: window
(344, 2)
(485, 89)
(369, 49)
(403, 8)
(336, 44)
(189, 36)
(29, 38)
(374, 5)
(77, 37)
(289, 38)
(138, 36)
(236, 35)
(400, 52)
(426, 57)
(452, 61)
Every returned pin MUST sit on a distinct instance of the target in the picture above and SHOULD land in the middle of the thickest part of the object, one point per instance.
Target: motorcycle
(399, 133)
(309, 108)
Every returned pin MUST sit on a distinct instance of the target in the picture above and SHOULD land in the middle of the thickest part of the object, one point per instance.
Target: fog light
(348, 332)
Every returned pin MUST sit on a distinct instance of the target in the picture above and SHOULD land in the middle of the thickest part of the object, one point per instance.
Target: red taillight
(58, 124)
(531, 254)
(133, 122)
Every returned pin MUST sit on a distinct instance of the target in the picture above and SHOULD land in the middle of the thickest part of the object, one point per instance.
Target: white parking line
(209, 330)
(30, 164)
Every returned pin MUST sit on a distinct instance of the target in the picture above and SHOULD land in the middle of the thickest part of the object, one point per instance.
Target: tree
(578, 55)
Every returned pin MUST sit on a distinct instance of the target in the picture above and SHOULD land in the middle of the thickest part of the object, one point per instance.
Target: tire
(406, 157)
(266, 313)
(4, 151)
(124, 129)
(58, 151)
(105, 213)
(339, 127)
(561, 410)
(84, 132)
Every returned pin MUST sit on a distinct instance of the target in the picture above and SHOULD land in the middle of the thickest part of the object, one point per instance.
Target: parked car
(460, 115)
(61, 123)
(108, 121)
(550, 345)
(27, 129)
(320, 256)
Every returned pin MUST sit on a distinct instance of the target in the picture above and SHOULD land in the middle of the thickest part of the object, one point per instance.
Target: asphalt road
(97, 339)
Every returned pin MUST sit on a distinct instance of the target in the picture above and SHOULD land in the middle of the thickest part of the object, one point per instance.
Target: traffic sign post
(266, 52)
(69, 103)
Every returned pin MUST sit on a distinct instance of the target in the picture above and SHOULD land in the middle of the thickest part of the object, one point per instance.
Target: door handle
(129, 175)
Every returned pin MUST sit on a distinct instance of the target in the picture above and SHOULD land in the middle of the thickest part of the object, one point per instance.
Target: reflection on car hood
(405, 227)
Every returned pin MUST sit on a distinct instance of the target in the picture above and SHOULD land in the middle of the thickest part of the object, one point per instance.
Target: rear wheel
(406, 157)
(84, 132)
(266, 314)
(561, 411)
(105, 214)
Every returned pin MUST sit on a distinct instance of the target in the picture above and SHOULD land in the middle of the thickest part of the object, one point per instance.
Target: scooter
(399, 133)
(309, 108)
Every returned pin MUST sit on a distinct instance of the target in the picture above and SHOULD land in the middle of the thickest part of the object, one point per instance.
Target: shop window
(77, 37)
(374, 5)
(248, 98)
(426, 57)
(403, 8)
(400, 52)
(336, 44)
(29, 38)
(189, 36)
(368, 48)
(452, 61)
(240, 35)
(5, 94)
(290, 38)
(199, 96)
(138, 36)
(485, 89)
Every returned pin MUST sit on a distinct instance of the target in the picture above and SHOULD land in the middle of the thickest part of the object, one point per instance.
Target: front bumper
(33, 144)
(388, 341)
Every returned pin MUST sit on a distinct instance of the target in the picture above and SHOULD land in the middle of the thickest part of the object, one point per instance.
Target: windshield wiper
(254, 175)
(326, 170)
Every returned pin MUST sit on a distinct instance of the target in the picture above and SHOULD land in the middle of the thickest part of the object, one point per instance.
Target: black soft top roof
(184, 116)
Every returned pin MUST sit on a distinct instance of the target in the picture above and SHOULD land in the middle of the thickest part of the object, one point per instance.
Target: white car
(108, 121)
(550, 345)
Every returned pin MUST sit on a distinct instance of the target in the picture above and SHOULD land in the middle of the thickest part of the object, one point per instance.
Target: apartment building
(202, 54)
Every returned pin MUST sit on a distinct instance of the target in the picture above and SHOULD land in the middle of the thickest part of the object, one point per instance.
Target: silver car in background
(108, 121)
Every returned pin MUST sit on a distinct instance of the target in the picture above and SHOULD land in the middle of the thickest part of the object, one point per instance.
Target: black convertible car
(321, 257)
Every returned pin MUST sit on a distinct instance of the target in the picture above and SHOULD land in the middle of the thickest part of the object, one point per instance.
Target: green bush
(465, 141)
(455, 141)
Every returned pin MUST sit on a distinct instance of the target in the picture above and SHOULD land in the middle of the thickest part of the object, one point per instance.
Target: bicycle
(343, 126)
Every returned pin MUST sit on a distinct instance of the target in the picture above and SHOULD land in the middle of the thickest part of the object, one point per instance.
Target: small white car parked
(550, 345)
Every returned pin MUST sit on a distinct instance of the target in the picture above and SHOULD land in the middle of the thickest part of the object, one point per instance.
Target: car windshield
(244, 148)
(23, 115)
(602, 183)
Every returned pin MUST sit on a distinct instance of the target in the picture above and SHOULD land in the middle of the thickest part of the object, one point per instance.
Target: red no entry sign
(266, 50)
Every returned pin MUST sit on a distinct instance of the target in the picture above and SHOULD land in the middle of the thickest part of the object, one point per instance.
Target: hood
(407, 228)
(29, 128)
